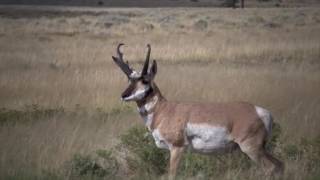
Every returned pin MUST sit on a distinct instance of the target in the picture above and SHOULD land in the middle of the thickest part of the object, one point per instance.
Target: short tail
(266, 118)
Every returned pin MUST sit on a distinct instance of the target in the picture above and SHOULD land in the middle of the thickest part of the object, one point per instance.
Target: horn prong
(118, 50)
(119, 61)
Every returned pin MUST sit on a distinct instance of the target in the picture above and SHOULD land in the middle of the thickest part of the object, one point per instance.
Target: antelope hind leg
(258, 154)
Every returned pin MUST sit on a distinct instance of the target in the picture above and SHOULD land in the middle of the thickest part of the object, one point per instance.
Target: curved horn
(146, 63)
(119, 61)
(120, 54)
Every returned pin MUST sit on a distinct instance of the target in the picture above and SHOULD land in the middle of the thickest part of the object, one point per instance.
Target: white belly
(205, 138)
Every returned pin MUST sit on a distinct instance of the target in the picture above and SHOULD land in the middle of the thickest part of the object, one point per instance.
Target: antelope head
(140, 83)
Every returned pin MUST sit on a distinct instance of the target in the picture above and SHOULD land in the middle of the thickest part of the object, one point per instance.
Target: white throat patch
(149, 105)
(148, 120)
(147, 113)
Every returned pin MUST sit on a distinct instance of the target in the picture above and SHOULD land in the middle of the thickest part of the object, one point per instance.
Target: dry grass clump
(61, 59)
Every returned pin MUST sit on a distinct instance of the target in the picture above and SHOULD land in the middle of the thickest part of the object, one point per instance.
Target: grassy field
(60, 91)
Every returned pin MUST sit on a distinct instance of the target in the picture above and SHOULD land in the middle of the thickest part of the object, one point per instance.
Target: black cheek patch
(127, 92)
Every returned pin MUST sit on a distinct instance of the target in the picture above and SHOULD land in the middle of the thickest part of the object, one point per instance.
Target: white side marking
(266, 118)
(207, 138)
(160, 141)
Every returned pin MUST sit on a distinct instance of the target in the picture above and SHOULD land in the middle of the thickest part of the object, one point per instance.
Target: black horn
(119, 61)
(146, 63)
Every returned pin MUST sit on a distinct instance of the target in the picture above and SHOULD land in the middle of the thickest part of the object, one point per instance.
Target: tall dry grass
(62, 58)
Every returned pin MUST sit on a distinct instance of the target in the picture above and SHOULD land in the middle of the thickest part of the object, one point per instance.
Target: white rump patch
(266, 118)
(160, 141)
(206, 138)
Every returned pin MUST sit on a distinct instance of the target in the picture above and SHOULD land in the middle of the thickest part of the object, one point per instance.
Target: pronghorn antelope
(202, 127)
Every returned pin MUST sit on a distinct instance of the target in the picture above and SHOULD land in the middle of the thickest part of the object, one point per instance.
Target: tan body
(176, 115)
(202, 127)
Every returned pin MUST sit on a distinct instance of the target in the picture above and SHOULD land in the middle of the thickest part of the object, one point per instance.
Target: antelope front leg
(175, 156)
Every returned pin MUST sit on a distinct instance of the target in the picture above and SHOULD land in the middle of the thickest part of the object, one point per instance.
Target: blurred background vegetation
(61, 116)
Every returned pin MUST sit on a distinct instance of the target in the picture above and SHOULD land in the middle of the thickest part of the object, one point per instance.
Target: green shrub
(273, 141)
(99, 165)
(305, 152)
(30, 113)
(201, 25)
(305, 149)
(33, 113)
(292, 152)
(256, 19)
(209, 166)
(107, 162)
(146, 158)
(310, 150)
(85, 166)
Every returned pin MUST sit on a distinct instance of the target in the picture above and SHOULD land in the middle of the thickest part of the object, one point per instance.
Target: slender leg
(278, 166)
(257, 153)
(175, 156)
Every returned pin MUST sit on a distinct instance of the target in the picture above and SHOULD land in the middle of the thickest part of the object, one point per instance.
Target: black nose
(124, 96)
(126, 93)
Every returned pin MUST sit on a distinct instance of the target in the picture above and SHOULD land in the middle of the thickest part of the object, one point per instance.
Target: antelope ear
(152, 73)
(153, 69)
